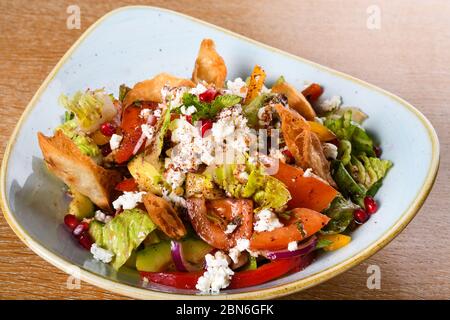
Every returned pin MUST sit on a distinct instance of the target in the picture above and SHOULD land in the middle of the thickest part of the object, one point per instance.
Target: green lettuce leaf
(123, 90)
(368, 171)
(345, 129)
(123, 234)
(344, 151)
(341, 215)
(86, 145)
(265, 190)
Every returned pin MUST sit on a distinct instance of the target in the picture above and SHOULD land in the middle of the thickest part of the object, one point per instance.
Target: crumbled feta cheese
(199, 89)
(175, 178)
(218, 274)
(115, 140)
(102, 217)
(265, 115)
(174, 198)
(277, 154)
(157, 113)
(145, 113)
(330, 104)
(148, 131)
(292, 246)
(101, 254)
(128, 200)
(266, 221)
(237, 87)
(242, 244)
(188, 111)
(230, 228)
(330, 150)
(173, 96)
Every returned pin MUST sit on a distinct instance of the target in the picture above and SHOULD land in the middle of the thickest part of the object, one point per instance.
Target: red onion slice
(177, 256)
(304, 248)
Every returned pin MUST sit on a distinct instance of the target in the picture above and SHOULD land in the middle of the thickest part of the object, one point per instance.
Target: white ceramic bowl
(134, 43)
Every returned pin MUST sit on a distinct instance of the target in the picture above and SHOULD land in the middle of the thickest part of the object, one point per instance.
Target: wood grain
(408, 56)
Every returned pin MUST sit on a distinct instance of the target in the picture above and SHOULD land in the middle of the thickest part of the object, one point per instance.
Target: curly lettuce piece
(91, 108)
(265, 190)
(345, 129)
(86, 145)
(345, 151)
(367, 171)
(341, 214)
(122, 234)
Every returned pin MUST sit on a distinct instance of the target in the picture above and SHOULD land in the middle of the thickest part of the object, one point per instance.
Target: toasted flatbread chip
(296, 100)
(257, 79)
(304, 144)
(150, 90)
(164, 216)
(209, 66)
(77, 170)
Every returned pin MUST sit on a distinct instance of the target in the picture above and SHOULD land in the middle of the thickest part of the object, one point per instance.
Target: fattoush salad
(208, 183)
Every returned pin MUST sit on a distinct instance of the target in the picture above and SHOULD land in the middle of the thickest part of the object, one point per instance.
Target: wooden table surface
(408, 55)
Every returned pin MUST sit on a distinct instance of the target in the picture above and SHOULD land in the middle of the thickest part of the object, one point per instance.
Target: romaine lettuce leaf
(367, 171)
(341, 214)
(86, 145)
(123, 234)
(265, 190)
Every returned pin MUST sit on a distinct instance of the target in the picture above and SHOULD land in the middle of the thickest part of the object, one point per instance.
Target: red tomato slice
(306, 192)
(302, 224)
(131, 130)
(242, 279)
(127, 185)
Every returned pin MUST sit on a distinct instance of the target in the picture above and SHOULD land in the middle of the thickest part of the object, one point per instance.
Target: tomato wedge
(312, 92)
(306, 192)
(131, 130)
(302, 224)
(241, 279)
(127, 185)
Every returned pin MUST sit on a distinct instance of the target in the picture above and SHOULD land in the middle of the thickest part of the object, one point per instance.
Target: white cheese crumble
(242, 245)
(128, 200)
(148, 131)
(199, 89)
(115, 140)
(102, 217)
(330, 104)
(330, 150)
(188, 111)
(292, 246)
(310, 174)
(157, 113)
(101, 254)
(174, 198)
(230, 228)
(237, 87)
(266, 221)
(145, 113)
(218, 274)
(175, 178)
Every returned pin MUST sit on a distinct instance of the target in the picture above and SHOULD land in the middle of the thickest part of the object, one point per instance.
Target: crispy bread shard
(77, 170)
(304, 144)
(164, 216)
(296, 100)
(150, 90)
(209, 66)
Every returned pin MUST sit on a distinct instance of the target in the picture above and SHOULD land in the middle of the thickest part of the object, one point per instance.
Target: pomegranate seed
(108, 129)
(85, 240)
(71, 221)
(208, 96)
(106, 149)
(370, 204)
(360, 216)
(206, 125)
(80, 228)
(335, 142)
(377, 150)
(189, 119)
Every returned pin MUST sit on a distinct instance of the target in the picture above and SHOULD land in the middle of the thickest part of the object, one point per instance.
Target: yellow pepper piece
(337, 241)
(323, 133)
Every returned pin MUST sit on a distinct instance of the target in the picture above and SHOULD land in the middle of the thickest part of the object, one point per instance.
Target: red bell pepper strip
(127, 185)
(241, 279)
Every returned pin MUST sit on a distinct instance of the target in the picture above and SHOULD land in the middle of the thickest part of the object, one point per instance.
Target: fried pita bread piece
(304, 144)
(77, 170)
(209, 65)
(164, 216)
(150, 90)
(296, 100)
